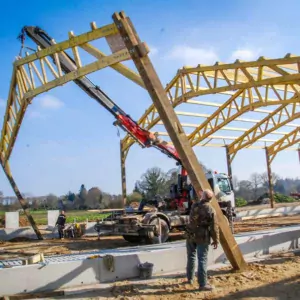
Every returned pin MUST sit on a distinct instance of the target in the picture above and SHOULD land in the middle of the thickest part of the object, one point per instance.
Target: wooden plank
(75, 52)
(139, 55)
(22, 201)
(40, 295)
(270, 181)
(119, 67)
(87, 69)
(74, 41)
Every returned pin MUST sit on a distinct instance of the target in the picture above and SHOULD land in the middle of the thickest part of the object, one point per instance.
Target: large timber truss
(41, 72)
(247, 87)
(235, 90)
(241, 88)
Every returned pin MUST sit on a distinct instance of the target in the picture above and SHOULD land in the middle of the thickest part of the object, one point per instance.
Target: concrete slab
(52, 216)
(12, 220)
(8, 234)
(66, 271)
(268, 212)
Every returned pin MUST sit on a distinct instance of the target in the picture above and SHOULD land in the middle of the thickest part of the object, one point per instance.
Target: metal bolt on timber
(138, 52)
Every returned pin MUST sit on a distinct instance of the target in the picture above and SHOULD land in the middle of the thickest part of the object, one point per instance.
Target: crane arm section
(123, 120)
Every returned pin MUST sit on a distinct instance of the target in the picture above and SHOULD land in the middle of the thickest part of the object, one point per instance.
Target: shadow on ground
(284, 289)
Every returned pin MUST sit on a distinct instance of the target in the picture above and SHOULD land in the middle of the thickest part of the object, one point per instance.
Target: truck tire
(132, 239)
(153, 238)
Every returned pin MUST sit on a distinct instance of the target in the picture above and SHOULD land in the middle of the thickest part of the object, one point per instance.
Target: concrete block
(125, 268)
(12, 220)
(52, 217)
(268, 212)
(49, 277)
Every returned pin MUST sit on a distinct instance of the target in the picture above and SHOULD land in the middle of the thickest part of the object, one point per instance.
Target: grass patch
(40, 216)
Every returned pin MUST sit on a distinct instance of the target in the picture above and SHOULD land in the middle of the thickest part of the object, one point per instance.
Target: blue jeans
(202, 253)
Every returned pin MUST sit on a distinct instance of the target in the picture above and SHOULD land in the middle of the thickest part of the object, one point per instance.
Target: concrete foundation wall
(69, 271)
(52, 216)
(268, 212)
(12, 220)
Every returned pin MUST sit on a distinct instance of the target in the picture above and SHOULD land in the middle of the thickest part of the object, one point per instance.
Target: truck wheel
(132, 239)
(153, 238)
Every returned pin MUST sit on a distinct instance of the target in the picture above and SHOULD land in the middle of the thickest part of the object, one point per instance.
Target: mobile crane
(138, 225)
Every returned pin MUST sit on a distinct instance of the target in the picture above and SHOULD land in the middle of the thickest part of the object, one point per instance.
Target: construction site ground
(276, 278)
(19, 246)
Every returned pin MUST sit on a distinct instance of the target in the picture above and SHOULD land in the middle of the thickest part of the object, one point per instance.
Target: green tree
(265, 179)
(83, 197)
(256, 181)
(136, 188)
(51, 201)
(279, 198)
(153, 182)
(240, 202)
(134, 197)
(94, 197)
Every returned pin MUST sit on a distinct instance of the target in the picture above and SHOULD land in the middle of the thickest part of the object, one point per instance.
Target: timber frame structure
(244, 87)
(41, 72)
(248, 86)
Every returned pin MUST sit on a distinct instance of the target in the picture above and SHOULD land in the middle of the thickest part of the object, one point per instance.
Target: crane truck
(143, 225)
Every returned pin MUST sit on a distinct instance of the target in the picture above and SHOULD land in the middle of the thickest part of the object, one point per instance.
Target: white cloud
(193, 56)
(50, 102)
(245, 54)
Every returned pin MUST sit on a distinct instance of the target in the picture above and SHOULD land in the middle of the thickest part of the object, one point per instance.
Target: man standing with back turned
(60, 223)
(201, 229)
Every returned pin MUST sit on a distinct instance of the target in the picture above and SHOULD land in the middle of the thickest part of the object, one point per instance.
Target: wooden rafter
(270, 123)
(249, 85)
(285, 142)
(41, 71)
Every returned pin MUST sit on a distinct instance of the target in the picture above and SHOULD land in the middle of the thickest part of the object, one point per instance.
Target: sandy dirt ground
(22, 246)
(277, 278)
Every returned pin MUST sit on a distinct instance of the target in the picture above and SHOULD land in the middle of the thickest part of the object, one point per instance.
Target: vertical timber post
(123, 174)
(270, 181)
(229, 169)
(139, 54)
(22, 201)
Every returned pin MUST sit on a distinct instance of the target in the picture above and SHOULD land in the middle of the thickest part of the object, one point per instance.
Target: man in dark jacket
(201, 229)
(61, 220)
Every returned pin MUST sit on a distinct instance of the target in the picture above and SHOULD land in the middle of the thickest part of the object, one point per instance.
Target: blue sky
(67, 139)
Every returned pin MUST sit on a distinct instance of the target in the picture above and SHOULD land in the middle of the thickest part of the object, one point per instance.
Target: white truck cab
(220, 183)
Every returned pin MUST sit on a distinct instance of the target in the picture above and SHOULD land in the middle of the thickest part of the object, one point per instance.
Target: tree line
(153, 182)
(84, 199)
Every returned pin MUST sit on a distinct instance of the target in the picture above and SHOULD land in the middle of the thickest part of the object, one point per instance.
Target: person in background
(201, 229)
(97, 228)
(60, 223)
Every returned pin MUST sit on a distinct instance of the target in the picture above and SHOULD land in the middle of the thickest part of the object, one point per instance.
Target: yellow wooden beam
(229, 128)
(9, 103)
(226, 113)
(121, 55)
(233, 76)
(214, 104)
(290, 139)
(122, 69)
(46, 86)
(70, 43)
(270, 123)
(286, 62)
